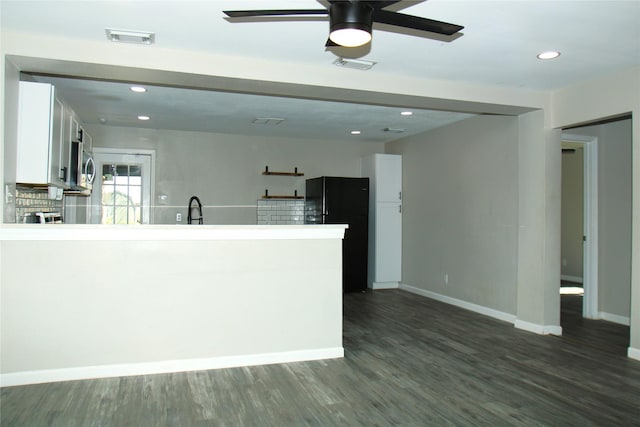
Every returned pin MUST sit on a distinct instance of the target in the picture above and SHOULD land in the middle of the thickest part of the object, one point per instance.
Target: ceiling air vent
(271, 121)
(356, 64)
(126, 36)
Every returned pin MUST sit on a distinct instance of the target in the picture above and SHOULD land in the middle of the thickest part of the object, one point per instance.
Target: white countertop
(170, 232)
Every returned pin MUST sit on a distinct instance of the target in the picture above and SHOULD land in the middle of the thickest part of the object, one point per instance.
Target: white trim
(98, 232)
(168, 366)
(384, 285)
(538, 329)
(574, 279)
(590, 212)
(609, 317)
(633, 353)
(500, 315)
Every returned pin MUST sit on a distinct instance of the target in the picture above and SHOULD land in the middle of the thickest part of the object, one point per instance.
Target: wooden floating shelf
(295, 173)
(283, 173)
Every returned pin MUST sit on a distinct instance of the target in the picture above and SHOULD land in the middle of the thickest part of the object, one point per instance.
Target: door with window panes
(122, 195)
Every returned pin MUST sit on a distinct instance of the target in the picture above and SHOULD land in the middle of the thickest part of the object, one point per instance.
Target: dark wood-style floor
(410, 361)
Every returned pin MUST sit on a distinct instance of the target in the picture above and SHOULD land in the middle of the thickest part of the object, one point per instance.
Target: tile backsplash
(30, 200)
(279, 211)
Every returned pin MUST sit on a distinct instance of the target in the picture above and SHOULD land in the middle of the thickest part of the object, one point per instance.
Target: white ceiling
(498, 48)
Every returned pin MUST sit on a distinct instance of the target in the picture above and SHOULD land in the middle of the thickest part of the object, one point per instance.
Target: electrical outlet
(178, 217)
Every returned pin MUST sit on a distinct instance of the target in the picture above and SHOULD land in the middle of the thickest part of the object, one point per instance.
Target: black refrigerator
(335, 200)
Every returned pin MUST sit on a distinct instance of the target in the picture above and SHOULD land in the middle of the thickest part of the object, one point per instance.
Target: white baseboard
(384, 285)
(633, 353)
(574, 279)
(537, 328)
(621, 320)
(460, 303)
(168, 366)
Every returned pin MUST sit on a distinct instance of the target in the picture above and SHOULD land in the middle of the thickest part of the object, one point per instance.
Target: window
(122, 191)
(121, 194)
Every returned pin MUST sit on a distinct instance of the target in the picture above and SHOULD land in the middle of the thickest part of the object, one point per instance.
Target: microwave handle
(90, 170)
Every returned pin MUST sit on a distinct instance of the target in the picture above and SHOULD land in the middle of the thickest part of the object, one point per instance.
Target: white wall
(225, 171)
(164, 299)
(460, 211)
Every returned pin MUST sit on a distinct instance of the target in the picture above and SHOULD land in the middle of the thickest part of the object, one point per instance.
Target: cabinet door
(88, 142)
(58, 167)
(70, 135)
(59, 148)
(388, 259)
(34, 133)
(388, 178)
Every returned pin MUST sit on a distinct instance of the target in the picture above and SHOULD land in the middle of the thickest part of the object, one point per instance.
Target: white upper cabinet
(88, 141)
(385, 171)
(42, 154)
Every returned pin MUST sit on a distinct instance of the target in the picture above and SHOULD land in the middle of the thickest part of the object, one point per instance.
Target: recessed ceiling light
(137, 89)
(549, 55)
(355, 132)
(406, 113)
(143, 118)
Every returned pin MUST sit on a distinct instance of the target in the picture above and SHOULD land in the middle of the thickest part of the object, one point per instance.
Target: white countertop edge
(171, 232)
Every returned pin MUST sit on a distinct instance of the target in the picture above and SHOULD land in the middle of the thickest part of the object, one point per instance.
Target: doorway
(579, 263)
(603, 318)
(123, 188)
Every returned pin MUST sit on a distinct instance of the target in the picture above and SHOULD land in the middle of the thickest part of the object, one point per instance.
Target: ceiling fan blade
(282, 12)
(415, 22)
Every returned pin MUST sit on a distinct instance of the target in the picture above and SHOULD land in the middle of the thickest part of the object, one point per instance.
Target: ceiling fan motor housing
(350, 16)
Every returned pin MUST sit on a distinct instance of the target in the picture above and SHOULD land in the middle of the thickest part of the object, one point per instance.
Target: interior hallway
(597, 334)
(410, 361)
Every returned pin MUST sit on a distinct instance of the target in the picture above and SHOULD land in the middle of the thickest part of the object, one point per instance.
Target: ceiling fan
(351, 21)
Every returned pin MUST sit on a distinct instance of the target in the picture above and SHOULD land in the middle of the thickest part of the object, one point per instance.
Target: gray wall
(460, 211)
(11, 95)
(572, 214)
(225, 171)
(614, 215)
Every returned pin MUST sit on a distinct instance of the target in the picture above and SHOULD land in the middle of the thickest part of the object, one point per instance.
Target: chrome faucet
(190, 219)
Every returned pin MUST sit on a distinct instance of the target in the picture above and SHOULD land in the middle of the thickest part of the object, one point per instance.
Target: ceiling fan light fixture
(350, 23)
(350, 37)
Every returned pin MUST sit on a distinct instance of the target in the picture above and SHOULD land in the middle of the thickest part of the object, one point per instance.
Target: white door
(122, 188)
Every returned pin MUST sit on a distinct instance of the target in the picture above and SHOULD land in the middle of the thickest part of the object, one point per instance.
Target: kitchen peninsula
(89, 301)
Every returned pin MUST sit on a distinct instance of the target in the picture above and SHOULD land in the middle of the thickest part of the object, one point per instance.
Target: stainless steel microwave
(83, 169)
